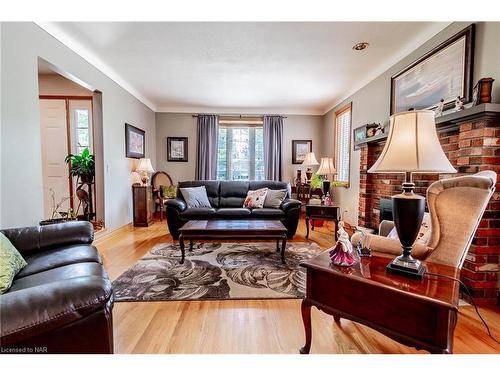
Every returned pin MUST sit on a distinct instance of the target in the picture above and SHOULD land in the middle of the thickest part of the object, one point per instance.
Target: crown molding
(56, 32)
(232, 111)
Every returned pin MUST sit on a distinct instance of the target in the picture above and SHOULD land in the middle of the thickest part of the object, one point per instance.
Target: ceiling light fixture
(360, 46)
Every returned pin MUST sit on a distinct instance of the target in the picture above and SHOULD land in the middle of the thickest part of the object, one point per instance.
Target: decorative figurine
(482, 91)
(327, 199)
(439, 109)
(379, 129)
(459, 104)
(342, 254)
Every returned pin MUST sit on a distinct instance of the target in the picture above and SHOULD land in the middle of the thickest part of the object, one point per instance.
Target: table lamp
(326, 167)
(412, 146)
(309, 161)
(144, 168)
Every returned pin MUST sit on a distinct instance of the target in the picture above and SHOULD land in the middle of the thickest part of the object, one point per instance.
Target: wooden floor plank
(251, 326)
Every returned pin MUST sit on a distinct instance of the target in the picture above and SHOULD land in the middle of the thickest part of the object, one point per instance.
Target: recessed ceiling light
(360, 46)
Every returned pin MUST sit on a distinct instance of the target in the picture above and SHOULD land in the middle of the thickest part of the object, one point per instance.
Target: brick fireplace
(471, 141)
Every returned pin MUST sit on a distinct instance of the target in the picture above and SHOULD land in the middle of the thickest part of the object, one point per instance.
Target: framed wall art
(135, 142)
(177, 149)
(300, 148)
(443, 73)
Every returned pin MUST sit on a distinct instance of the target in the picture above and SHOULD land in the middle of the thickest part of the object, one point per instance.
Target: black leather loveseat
(226, 199)
(61, 302)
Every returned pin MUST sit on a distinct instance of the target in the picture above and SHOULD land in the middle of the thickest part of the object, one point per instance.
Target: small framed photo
(135, 142)
(359, 136)
(177, 149)
(300, 148)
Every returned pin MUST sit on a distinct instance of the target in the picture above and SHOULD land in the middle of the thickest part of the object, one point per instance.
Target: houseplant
(82, 166)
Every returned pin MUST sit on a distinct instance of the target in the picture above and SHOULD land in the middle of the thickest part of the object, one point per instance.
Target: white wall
(21, 185)
(184, 125)
(372, 102)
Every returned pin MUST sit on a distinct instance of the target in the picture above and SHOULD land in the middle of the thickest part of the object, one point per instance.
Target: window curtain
(273, 147)
(206, 147)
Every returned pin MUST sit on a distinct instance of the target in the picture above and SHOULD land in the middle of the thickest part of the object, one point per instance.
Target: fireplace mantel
(451, 121)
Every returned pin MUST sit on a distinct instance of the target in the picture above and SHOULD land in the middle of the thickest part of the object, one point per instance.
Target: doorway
(67, 121)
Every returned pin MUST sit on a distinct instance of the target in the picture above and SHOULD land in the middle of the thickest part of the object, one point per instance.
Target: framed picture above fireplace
(443, 73)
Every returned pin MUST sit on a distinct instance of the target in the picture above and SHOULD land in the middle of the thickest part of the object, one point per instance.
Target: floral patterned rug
(216, 271)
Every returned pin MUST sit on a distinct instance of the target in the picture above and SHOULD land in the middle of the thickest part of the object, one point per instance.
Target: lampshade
(310, 159)
(326, 167)
(145, 166)
(412, 146)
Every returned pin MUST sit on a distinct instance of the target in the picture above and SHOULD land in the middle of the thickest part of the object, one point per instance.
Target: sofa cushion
(197, 213)
(11, 262)
(274, 198)
(273, 185)
(233, 193)
(59, 257)
(48, 300)
(255, 198)
(212, 188)
(274, 213)
(233, 212)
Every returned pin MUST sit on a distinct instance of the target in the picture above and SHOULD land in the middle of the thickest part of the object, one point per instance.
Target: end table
(316, 211)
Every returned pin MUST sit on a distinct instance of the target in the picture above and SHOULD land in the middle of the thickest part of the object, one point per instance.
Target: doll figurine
(342, 254)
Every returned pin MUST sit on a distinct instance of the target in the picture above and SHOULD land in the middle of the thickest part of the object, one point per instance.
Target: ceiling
(224, 67)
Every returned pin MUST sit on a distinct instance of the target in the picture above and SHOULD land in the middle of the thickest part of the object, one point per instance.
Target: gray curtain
(206, 148)
(273, 147)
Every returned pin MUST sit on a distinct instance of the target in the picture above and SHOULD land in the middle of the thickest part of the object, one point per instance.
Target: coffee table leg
(283, 246)
(181, 243)
(306, 319)
(278, 245)
(190, 245)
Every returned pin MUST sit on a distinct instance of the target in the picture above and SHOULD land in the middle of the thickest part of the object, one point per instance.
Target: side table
(315, 211)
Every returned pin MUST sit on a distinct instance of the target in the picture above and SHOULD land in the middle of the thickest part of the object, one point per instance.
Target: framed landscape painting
(177, 149)
(443, 73)
(300, 148)
(135, 142)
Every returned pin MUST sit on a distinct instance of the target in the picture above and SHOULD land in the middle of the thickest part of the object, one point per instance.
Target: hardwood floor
(251, 326)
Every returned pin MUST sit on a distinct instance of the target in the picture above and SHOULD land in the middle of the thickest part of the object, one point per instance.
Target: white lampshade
(310, 159)
(326, 167)
(412, 146)
(145, 166)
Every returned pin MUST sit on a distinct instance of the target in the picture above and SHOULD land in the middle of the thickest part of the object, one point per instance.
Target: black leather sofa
(62, 301)
(226, 199)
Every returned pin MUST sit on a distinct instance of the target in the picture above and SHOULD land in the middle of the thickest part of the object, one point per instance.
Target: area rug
(215, 271)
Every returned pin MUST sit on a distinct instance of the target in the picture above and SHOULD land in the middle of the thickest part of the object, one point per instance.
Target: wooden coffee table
(233, 229)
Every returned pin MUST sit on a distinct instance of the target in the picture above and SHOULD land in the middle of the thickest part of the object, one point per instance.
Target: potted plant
(82, 166)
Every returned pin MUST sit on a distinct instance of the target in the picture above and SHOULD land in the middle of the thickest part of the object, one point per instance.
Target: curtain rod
(240, 116)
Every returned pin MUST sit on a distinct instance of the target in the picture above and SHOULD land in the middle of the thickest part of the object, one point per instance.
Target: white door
(80, 119)
(54, 150)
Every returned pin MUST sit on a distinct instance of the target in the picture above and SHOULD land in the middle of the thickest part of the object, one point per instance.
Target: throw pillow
(274, 198)
(169, 191)
(255, 198)
(11, 262)
(196, 197)
(424, 234)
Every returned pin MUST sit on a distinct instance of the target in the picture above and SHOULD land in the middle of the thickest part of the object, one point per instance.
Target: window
(240, 152)
(343, 144)
(82, 130)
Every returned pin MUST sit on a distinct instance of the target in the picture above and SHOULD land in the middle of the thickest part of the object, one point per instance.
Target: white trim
(417, 42)
(247, 111)
(56, 32)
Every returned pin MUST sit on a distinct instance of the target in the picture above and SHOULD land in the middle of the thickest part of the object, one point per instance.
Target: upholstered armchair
(456, 206)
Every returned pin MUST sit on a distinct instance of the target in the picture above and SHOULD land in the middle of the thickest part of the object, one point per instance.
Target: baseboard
(106, 233)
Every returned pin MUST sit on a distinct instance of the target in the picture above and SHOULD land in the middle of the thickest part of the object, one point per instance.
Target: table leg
(312, 224)
(306, 319)
(336, 228)
(190, 245)
(278, 245)
(181, 244)
(307, 226)
(283, 247)
(336, 318)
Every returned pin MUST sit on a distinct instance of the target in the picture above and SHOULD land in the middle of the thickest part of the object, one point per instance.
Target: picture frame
(177, 149)
(299, 150)
(482, 91)
(359, 135)
(135, 142)
(445, 72)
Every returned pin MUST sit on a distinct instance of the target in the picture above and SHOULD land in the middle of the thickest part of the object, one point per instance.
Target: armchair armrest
(289, 203)
(177, 204)
(389, 246)
(29, 240)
